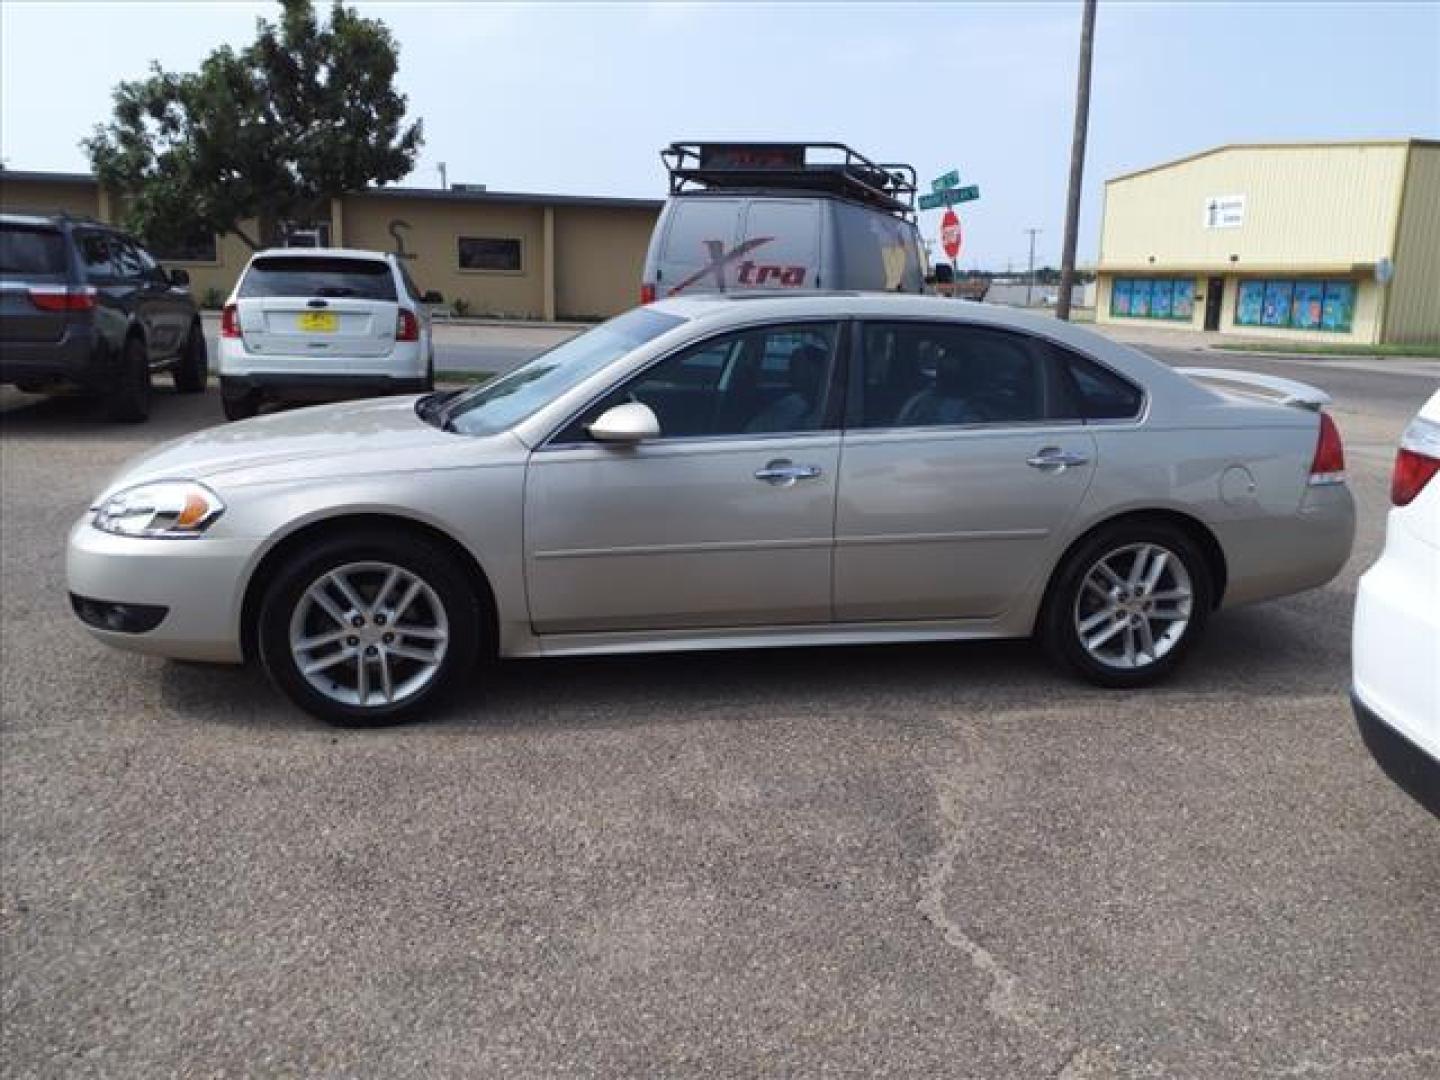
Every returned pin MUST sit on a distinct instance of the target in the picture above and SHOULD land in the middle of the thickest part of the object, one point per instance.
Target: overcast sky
(578, 98)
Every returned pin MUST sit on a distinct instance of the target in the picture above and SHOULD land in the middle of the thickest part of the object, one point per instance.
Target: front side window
(495, 254)
(318, 275)
(500, 405)
(767, 381)
(941, 375)
(97, 255)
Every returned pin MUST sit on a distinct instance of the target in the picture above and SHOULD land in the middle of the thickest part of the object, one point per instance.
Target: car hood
(327, 440)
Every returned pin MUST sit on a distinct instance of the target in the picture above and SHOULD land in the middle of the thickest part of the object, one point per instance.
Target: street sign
(950, 180)
(949, 197)
(950, 237)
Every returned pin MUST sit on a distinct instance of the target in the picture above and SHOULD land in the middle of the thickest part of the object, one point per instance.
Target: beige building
(1323, 242)
(504, 254)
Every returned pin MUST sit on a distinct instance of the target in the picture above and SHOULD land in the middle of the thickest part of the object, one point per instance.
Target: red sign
(950, 234)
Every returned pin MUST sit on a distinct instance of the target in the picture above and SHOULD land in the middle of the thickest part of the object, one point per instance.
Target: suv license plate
(316, 321)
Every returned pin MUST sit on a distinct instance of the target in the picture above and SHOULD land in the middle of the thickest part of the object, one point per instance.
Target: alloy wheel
(1134, 606)
(369, 634)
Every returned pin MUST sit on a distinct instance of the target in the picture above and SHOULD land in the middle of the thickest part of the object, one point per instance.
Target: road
(899, 861)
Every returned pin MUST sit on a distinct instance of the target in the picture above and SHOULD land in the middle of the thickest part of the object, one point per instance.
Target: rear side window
(26, 250)
(877, 251)
(948, 374)
(319, 275)
(1096, 392)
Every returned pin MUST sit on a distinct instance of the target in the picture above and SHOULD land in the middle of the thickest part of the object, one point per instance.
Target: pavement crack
(1006, 999)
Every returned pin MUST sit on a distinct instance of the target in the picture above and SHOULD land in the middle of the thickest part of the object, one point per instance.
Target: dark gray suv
(85, 309)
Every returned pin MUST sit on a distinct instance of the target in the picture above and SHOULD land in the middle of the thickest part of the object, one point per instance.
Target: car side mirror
(432, 297)
(625, 425)
(180, 278)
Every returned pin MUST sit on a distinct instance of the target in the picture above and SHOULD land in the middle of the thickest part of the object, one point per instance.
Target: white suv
(1397, 622)
(322, 324)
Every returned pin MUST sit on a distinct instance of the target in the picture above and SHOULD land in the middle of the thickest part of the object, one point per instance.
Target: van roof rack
(829, 167)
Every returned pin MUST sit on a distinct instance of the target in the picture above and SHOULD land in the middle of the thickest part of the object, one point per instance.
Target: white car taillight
(407, 326)
(230, 321)
(1417, 462)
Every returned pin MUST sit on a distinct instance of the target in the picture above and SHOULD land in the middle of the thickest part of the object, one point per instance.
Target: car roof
(54, 220)
(322, 252)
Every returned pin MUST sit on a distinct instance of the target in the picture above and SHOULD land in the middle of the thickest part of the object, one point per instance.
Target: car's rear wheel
(193, 366)
(129, 398)
(1127, 604)
(370, 629)
(239, 404)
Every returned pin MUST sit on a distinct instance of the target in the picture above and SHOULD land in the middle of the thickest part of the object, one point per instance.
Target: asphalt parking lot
(901, 861)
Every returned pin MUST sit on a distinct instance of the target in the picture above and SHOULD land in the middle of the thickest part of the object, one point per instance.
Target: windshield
(503, 403)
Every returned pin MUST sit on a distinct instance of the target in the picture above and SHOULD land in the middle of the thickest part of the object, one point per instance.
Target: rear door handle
(1052, 457)
(783, 473)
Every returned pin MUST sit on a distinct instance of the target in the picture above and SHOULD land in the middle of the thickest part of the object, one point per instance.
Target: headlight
(170, 508)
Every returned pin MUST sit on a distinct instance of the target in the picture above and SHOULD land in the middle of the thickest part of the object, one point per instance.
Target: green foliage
(212, 300)
(460, 306)
(305, 113)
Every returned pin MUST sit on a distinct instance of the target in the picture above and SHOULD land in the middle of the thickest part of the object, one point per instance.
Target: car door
(171, 307)
(724, 520)
(959, 471)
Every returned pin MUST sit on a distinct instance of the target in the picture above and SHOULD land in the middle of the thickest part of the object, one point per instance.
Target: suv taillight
(230, 321)
(1417, 462)
(63, 297)
(407, 326)
(1328, 466)
(647, 294)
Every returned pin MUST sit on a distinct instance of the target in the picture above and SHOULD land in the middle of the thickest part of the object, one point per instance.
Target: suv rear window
(25, 250)
(319, 275)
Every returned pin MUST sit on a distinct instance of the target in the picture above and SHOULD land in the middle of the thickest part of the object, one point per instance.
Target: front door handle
(1056, 460)
(783, 473)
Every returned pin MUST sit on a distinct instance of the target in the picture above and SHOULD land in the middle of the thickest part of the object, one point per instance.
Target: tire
(1112, 652)
(239, 404)
(443, 610)
(193, 366)
(129, 398)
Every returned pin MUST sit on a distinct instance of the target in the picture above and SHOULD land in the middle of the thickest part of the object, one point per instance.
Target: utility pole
(1077, 162)
(443, 186)
(1030, 279)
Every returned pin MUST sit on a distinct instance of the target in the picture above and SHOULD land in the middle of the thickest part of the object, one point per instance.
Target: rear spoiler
(1285, 391)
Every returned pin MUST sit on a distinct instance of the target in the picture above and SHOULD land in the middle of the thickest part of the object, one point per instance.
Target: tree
(272, 132)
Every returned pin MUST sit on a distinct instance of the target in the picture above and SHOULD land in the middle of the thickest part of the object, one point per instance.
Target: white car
(322, 324)
(1396, 689)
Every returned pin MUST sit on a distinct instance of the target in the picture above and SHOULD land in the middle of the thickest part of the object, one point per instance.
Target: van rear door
(698, 253)
(784, 239)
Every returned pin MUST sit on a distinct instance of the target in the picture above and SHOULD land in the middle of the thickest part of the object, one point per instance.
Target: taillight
(407, 327)
(230, 321)
(63, 297)
(1417, 462)
(1328, 467)
(647, 294)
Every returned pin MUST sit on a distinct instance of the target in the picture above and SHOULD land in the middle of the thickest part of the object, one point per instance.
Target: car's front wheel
(1127, 604)
(370, 628)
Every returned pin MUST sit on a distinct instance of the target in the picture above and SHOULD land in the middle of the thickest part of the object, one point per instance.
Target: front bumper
(1415, 772)
(198, 581)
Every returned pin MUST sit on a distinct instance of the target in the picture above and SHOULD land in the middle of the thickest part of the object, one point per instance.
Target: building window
(197, 247)
(1153, 298)
(496, 254)
(1296, 304)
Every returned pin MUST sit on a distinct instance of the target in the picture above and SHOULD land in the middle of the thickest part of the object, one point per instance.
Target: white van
(782, 216)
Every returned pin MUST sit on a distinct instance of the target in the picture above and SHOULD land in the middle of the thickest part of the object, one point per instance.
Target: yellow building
(1322, 242)
(504, 254)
